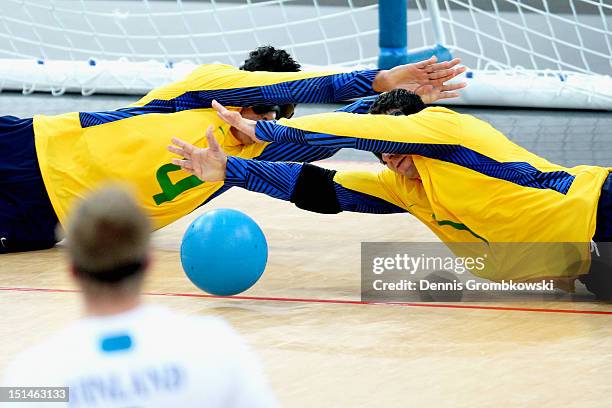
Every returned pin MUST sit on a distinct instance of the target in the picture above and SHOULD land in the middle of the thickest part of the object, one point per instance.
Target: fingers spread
(218, 107)
(184, 164)
(187, 147)
(222, 117)
(425, 63)
(453, 62)
(222, 112)
(424, 89)
(226, 116)
(212, 142)
(460, 70)
(447, 74)
(454, 87)
(443, 73)
(440, 81)
(178, 151)
(447, 95)
(439, 77)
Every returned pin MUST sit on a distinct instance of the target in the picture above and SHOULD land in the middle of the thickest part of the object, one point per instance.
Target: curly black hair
(407, 102)
(268, 58)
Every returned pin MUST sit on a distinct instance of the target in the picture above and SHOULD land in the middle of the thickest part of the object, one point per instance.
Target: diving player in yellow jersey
(49, 162)
(458, 175)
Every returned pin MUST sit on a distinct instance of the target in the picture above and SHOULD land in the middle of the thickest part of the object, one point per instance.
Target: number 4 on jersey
(170, 190)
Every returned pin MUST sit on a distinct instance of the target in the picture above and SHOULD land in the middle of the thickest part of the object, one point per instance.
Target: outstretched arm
(234, 87)
(308, 153)
(304, 153)
(294, 152)
(426, 133)
(309, 187)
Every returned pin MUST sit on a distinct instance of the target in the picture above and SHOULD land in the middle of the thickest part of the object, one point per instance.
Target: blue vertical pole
(393, 39)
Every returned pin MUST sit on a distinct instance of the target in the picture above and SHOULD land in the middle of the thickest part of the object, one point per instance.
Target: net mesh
(560, 35)
(176, 30)
(131, 46)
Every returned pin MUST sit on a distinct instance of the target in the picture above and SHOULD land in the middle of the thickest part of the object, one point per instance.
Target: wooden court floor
(335, 354)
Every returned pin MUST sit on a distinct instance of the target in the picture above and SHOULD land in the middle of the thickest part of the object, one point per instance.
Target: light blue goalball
(224, 252)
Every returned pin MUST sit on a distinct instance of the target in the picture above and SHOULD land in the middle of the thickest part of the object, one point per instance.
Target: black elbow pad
(314, 190)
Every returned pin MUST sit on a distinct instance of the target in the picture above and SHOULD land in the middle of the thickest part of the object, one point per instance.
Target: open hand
(430, 94)
(236, 120)
(206, 164)
(428, 72)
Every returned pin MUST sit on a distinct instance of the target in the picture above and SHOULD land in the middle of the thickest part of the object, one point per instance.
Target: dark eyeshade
(282, 111)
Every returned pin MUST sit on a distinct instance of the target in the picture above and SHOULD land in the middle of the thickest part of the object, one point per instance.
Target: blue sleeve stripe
(295, 152)
(313, 91)
(274, 179)
(235, 172)
(322, 139)
(269, 131)
(521, 173)
(361, 106)
(356, 201)
(324, 89)
(264, 130)
(278, 180)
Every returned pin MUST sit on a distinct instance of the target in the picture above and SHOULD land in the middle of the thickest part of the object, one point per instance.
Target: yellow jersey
(475, 184)
(78, 151)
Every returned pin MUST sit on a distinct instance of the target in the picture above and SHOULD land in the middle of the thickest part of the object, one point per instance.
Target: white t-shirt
(147, 357)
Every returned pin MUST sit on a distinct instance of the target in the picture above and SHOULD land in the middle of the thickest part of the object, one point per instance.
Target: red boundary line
(332, 301)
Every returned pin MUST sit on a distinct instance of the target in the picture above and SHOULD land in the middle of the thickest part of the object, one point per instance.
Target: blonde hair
(107, 238)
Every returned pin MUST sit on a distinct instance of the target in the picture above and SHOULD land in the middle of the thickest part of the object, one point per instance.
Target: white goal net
(548, 53)
(542, 53)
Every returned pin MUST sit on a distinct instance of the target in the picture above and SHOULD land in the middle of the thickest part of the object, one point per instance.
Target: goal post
(393, 36)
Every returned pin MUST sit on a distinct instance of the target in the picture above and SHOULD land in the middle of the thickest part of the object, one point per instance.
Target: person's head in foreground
(398, 102)
(108, 248)
(166, 359)
(270, 59)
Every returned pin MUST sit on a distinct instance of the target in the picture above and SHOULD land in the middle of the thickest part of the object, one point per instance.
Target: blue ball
(224, 252)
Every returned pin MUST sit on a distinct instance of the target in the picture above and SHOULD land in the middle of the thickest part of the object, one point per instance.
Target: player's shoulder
(438, 113)
(441, 113)
(211, 69)
(438, 119)
(216, 66)
(439, 110)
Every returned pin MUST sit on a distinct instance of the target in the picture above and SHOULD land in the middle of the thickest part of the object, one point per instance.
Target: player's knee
(8, 245)
(599, 280)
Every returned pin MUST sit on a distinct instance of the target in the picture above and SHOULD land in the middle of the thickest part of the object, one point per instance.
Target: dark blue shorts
(599, 278)
(603, 231)
(27, 218)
